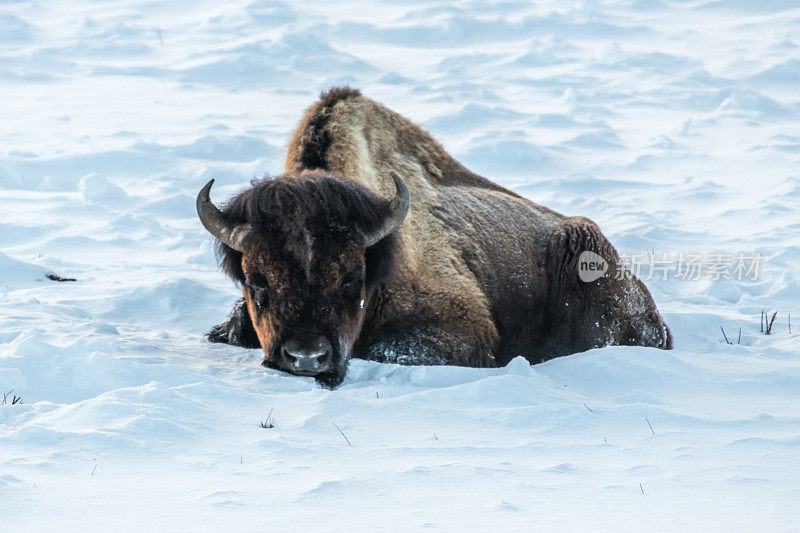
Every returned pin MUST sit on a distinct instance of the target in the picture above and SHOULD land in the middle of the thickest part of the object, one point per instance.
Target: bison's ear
(380, 261)
(398, 209)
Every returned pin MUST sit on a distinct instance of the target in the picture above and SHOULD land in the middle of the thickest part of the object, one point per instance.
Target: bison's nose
(307, 358)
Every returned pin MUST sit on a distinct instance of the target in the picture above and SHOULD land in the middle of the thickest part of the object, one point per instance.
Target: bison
(377, 244)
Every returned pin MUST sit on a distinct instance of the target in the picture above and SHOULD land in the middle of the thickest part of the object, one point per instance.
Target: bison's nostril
(289, 357)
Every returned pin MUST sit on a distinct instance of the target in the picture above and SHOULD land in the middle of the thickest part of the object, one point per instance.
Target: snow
(674, 125)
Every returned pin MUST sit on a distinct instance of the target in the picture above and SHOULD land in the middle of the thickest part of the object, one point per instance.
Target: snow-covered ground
(673, 124)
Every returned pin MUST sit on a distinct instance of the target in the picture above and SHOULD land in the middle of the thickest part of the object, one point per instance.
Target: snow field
(672, 124)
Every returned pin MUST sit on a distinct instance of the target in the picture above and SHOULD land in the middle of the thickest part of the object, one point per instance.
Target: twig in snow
(342, 432)
(725, 336)
(269, 423)
(651, 426)
(93, 469)
(790, 323)
(740, 336)
(56, 277)
(14, 398)
(589, 408)
(641, 488)
(435, 437)
(768, 331)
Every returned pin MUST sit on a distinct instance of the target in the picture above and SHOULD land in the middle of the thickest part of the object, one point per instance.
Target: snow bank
(674, 127)
(16, 274)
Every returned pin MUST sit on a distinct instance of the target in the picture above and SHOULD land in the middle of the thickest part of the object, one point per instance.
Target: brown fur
(483, 274)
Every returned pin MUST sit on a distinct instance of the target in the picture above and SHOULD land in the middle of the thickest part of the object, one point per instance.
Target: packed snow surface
(675, 125)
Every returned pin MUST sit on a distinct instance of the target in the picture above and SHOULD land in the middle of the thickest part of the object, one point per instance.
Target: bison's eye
(257, 281)
(257, 284)
(351, 285)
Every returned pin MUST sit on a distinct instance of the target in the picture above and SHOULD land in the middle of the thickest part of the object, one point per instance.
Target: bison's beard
(334, 376)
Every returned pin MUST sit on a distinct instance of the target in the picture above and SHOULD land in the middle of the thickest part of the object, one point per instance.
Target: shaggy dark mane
(316, 138)
(330, 209)
(334, 94)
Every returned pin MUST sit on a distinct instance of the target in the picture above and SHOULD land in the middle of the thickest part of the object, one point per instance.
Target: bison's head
(309, 252)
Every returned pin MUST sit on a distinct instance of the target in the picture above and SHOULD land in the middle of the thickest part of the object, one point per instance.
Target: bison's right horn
(212, 219)
(399, 210)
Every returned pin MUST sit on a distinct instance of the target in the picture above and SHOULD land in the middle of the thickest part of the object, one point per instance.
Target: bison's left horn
(212, 219)
(399, 210)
